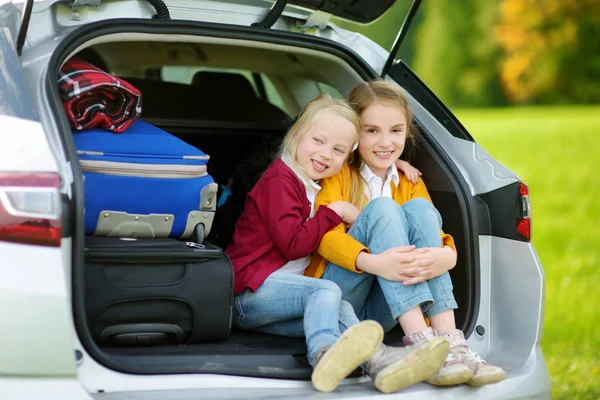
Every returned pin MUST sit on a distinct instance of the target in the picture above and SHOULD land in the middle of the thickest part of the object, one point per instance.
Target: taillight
(524, 213)
(30, 208)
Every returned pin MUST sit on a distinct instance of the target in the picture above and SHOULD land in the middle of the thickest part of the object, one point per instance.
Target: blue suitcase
(144, 183)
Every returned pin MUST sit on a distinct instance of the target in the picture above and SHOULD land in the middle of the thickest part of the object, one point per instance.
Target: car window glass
(273, 95)
(185, 74)
(330, 90)
(14, 96)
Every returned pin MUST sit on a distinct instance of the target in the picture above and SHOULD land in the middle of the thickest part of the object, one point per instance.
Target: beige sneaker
(483, 373)
(394, 368)
(452, 372)
(353, 347)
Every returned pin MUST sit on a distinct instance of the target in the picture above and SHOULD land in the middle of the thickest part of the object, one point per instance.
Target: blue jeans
(297, 306)
(384, 224)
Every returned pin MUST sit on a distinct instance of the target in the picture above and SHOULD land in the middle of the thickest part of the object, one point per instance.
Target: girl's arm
(337, 246)
(442, 260)
(280, 205)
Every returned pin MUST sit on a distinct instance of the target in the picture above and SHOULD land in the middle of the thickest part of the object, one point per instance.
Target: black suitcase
(156, 291)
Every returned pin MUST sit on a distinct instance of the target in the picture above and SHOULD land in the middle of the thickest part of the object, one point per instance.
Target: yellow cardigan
(342, 249)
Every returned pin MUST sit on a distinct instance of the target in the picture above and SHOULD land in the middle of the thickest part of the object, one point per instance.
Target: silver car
(288, 53)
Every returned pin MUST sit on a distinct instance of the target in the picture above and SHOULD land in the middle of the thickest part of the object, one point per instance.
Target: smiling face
(383, 132)
(326, 145)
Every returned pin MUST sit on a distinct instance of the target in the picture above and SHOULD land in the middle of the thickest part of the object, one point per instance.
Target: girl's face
(382, 137)
(326, 145)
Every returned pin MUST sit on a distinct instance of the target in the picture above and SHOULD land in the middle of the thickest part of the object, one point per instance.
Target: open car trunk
(241, 132)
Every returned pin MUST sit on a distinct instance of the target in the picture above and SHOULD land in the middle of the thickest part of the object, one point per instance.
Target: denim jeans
(384, 224)
(297, 306)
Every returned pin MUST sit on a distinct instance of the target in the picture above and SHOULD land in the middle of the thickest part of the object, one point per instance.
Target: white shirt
(312, 189)
(375, 187)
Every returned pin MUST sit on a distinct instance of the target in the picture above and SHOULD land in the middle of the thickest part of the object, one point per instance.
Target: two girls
(392, 264)
(271, 248)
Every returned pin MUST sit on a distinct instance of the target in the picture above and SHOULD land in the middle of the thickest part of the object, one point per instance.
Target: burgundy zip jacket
(273, 228)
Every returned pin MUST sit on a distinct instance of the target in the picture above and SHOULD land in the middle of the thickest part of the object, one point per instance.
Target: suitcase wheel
(199, 232)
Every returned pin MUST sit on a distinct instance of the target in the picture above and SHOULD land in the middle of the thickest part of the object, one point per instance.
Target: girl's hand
(411, 173)
(444, 259)
(392, 263)
(347, 211)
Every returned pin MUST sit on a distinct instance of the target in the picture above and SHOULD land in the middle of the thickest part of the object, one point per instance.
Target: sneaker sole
(417, 366)
(487, 379)
(353, 347)
(463, 375)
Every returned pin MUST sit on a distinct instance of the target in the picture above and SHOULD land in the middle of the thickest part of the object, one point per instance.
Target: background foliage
(475, 53)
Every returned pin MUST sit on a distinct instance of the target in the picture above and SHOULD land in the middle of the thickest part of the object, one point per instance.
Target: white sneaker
(354, 347)
(452, 372)
(394, 368)
(483, 373)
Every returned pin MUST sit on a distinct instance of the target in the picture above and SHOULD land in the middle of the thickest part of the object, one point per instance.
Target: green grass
(556, 152)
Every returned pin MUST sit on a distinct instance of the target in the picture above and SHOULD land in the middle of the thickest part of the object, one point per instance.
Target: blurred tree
(551, 50)
(456, 52)
(451, 46)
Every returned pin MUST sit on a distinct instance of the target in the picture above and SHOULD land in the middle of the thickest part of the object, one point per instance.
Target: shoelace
(474, 356)
(451, 358)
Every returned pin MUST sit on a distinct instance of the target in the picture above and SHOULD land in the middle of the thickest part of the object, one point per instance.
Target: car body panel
(23, 146)
(515, 319)
(36, 339)
(25, 388)
(36, 335)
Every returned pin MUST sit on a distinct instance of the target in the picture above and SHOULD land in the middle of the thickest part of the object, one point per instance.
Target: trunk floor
(242, 353)
(237, 343)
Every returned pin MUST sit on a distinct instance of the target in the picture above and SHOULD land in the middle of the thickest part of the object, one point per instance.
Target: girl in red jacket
(272, 245)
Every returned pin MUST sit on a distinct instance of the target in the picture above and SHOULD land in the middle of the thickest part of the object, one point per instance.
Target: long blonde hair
(294, 136)
(364, 95)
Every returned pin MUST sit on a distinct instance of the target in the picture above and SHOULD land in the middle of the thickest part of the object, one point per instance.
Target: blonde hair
(364, 95)
(294, 136)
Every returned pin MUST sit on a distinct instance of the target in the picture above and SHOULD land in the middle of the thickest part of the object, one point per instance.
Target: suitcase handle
(142, 334)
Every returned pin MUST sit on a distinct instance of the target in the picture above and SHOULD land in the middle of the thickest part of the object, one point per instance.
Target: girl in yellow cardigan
(392, 264)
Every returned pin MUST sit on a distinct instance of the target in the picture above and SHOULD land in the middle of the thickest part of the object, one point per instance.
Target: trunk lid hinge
(318, 19)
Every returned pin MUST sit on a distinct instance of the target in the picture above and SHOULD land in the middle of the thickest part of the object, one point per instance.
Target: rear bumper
(530, 382)
(25, 388)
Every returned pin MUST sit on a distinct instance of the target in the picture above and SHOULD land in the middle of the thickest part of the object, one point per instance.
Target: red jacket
(273, 228)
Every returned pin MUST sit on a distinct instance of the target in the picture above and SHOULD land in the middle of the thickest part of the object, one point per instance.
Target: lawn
(556, 152)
